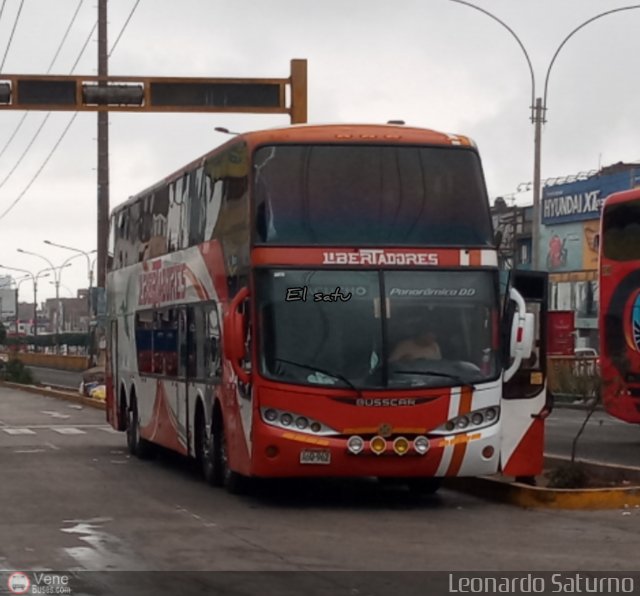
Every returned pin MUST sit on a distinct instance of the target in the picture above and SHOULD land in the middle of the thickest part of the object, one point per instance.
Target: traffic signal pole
(103, 153)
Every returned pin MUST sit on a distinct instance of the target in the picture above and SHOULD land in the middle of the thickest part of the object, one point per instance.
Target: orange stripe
(475, 258)
(466, 393)
(456, 459)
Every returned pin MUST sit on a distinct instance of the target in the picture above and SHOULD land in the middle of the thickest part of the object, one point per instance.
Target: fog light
(421, 445)
(477, 419)
(401, 445)
(302, 422)
(487, 452)
(378, 445)
(270, 415)
(286, 419)
(355, 444)
(271, 451)
(490, 414)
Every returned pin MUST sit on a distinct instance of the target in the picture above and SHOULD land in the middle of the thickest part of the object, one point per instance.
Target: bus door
(526, 401)
(111, 377)
(180, 384)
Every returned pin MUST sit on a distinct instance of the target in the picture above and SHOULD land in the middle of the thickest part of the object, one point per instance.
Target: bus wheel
(424, 486)
(139, 447)
(205, 449)
(235, 483)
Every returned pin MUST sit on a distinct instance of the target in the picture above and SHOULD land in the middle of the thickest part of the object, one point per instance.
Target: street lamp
(34, 278)
(538, 112)
(90, 267)
(57, 275)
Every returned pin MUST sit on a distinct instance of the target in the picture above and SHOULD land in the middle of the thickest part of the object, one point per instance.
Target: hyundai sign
(582, 200)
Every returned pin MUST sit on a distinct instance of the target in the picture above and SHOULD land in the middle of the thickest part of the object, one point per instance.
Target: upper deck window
(621, 231)
(387, 195)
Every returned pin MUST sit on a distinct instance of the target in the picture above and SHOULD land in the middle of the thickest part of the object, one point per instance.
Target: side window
(165, 343)
(144, 341)
(214, 359)
(174, 217)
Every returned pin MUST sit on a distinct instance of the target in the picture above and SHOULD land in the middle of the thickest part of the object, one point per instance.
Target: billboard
(561, 247)
(582, 200)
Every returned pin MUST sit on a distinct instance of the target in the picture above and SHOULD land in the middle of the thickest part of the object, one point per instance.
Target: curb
(535, 497)
(57, 393)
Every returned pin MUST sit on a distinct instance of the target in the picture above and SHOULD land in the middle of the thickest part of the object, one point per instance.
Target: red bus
(619, 318)
(325, 301)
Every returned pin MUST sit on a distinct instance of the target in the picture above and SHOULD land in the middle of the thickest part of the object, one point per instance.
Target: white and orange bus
(325, 301)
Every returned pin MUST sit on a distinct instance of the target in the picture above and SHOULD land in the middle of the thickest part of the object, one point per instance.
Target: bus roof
(622, 197)
(321, 133)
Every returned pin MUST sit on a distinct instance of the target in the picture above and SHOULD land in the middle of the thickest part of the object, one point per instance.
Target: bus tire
(205, 452)
(424, 486)
(236, 484)
(139, 447)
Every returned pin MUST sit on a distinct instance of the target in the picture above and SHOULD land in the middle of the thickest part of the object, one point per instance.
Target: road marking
(52, 446)
(56, 414)
(63, 430)
(110, 430)
(28, 450)
(18, 431)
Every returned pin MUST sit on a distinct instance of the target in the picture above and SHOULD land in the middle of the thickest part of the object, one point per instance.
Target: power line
(55, 57)
(13, 30)
(64, 37)
(115, 43)
(71, 121)
(44, 163)
(44, 121)
(2, 8)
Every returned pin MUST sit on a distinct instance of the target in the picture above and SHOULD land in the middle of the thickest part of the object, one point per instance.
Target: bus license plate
(315, 456)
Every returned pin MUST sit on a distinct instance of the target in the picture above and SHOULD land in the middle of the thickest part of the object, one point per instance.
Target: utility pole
(538, 118)
(103, 151)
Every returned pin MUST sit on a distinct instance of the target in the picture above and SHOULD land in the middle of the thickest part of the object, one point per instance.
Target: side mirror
(235, 326)
(522, 334)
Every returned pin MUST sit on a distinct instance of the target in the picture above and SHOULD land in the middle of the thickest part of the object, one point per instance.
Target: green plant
(16, 372)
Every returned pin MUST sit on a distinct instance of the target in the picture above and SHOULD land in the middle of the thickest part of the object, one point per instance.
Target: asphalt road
(605, 439)
(58, 378)
(72, 500)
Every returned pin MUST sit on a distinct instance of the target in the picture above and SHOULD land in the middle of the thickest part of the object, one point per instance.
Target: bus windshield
(370, 196)
(378, 330)
(621, 231)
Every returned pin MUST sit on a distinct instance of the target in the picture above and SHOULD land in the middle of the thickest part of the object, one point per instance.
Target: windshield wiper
(434, 373)
(335, 375)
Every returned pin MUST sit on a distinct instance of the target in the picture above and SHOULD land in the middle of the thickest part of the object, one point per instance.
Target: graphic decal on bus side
(635, 322)
(163, 428)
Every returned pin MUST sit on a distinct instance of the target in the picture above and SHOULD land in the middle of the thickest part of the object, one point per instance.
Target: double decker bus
(619, 314)
(325, 301)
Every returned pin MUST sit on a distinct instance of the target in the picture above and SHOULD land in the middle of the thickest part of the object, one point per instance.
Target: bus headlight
(293, 421)
(481, 418)
(270, 415)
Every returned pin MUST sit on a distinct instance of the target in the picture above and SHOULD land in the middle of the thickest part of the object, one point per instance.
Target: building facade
(569, 239)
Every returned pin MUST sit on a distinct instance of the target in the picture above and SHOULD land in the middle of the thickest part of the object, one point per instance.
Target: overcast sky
(433, 63)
